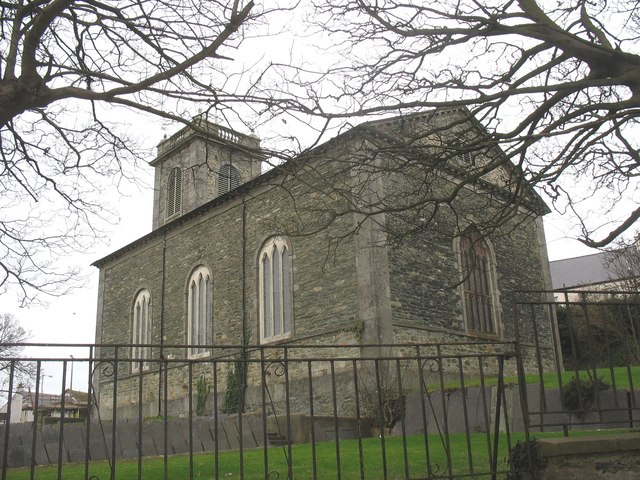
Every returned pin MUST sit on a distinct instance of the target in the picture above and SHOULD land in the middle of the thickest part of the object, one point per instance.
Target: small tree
(382, 396)
(623, 262)
(12, 336)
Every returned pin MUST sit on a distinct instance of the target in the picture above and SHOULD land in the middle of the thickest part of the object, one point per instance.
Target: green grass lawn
(621, 377)
(352, 465)
(228, 467)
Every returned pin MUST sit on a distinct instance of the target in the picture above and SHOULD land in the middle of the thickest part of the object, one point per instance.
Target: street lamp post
(42, 375)
(72, 362)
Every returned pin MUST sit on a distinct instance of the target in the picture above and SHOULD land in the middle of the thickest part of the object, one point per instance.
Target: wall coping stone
(557, 447)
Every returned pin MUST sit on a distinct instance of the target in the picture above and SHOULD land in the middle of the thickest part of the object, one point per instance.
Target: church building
(314, 250)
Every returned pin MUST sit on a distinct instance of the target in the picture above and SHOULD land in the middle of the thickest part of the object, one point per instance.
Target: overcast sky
(71, 318)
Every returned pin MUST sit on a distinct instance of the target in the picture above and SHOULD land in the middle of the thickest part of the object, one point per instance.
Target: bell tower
(192, 168)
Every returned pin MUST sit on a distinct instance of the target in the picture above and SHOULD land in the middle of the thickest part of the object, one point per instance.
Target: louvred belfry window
(174, 193)
(228, 179)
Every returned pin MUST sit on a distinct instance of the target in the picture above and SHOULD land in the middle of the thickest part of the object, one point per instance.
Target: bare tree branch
(63, 63)
(555, 85)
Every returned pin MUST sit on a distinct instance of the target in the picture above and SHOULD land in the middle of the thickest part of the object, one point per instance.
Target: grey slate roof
(586, 270)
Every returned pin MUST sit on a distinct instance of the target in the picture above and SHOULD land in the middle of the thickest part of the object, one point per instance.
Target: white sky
(71, 318)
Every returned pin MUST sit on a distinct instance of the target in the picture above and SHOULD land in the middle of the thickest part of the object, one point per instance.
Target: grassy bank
(352, 464)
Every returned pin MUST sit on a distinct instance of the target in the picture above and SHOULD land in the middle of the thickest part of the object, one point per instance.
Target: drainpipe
(244, 272)
(162, 291)
(244, 354)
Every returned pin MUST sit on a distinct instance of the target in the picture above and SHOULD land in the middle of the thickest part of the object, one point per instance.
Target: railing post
(5, 453)
(34, 425)
(522, 386)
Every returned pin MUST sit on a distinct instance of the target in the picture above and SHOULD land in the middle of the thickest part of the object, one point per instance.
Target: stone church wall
(324, 282)
(390, 283)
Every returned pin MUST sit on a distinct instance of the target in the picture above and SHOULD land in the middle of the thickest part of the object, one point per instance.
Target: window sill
(276, 339)
(197, 356)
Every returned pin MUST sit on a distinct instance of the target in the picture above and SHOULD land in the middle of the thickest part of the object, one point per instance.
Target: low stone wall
(206, 432)
(473, 410)
(605, 457)
(300, 430)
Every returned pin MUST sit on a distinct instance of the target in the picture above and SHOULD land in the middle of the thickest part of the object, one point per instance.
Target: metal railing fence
(593, 381)
(411, 411)
(414, 411)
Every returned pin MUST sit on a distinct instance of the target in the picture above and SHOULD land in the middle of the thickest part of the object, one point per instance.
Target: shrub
(579, 394)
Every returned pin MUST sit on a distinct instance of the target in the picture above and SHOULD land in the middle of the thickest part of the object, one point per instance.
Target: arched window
(228, 179)
(200, 312)
(141, 329)
(479, 287)
(276, 290)
(174, 192)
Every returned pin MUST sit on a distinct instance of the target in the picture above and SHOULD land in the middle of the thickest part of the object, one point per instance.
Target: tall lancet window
(141, 327)
(479, 284)
(200, 312)
(174, 193)
(228, 179)
(275, 272)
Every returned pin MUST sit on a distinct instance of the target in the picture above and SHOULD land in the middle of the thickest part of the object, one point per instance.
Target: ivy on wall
(236, 384)
(202, 393)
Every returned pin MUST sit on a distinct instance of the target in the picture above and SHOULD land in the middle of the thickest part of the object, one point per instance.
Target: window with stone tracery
(141, 327)
(200, 312)
(275, 290)
(479, 284)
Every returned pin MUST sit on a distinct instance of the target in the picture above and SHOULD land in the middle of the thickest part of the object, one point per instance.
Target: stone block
(177, 437)
(228, 431)
(201, 434)
(154, 431)
(41, 453)
(218, 434)
(76, 454)
(606, 457)
(614, 409)
(412, 416)
(248, 438)
(53, 453)
(127, 438)
(17, 456)
(74, 439)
